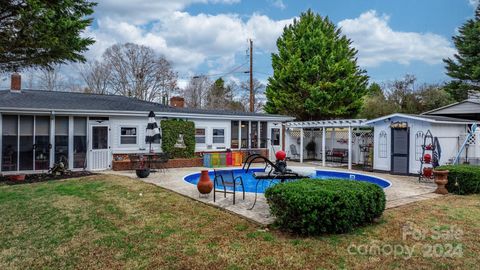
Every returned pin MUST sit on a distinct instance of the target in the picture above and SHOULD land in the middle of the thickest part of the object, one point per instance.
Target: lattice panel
(307, 133)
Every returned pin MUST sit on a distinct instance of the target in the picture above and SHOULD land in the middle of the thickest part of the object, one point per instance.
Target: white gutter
(416, 118)
(143, 113)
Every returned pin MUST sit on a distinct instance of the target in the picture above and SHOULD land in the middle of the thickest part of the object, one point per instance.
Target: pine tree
(464, 68)
(316, 75)
(36, 33)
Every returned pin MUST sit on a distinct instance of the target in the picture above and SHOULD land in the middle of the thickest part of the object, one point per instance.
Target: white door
(99, 147)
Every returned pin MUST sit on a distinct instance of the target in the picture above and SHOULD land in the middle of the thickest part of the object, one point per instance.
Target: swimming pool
(250, 182)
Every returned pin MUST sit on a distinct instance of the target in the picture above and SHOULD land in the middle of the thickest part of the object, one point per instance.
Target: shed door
(400, 150)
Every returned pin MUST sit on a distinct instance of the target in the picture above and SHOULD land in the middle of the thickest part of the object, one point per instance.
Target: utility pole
(252, 95)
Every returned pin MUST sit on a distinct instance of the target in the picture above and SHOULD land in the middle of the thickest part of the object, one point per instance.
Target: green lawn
(114, 222)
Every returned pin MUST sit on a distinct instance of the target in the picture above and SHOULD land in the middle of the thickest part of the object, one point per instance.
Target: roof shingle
(56, 100)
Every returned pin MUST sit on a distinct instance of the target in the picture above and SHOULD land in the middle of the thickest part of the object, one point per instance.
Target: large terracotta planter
(441, 179)
(205, 184)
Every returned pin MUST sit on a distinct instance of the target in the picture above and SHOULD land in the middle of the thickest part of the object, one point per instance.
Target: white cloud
(141, 11)
(279, 4)
(378, 43)
(474, 3)
(191, 40)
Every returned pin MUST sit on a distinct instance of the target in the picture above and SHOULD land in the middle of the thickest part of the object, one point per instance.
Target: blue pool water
(250, 182)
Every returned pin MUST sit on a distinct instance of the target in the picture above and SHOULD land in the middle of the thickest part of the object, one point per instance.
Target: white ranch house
(39, 128)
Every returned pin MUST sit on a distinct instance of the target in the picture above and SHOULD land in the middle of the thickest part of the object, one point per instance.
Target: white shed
(398, 140)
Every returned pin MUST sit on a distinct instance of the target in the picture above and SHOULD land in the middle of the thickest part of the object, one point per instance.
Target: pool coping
(316, 170)
(402, 190)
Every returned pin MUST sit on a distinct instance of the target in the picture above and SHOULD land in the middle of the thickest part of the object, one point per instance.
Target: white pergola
(345, 123)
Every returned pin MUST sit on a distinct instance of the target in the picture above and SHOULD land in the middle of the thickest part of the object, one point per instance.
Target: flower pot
(441, 179)
(427, 158)
(427, 172)
(205, 184)
(142, 173)
(17, 177)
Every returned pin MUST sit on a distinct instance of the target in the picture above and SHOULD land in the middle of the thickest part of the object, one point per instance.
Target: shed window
(382, 144)
(199, 135)
(418, 145)
(128, 135)
(218, 135)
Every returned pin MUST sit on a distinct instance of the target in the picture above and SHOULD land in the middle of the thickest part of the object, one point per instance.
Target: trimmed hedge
(170, 130)
(313, 206)
(462, 179)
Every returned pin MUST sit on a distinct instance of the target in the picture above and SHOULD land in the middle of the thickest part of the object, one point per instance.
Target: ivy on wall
(170, 130)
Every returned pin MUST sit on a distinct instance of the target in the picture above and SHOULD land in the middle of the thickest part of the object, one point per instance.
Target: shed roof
(425, 118)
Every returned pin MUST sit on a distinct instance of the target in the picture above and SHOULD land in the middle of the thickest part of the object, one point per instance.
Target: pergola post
(301, 145)
(324, 154)
(349, 147)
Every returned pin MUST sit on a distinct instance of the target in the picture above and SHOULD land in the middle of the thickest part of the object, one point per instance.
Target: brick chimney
(16, 82)
(177, 102)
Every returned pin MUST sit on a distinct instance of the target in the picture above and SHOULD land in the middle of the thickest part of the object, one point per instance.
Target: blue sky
(394, 37)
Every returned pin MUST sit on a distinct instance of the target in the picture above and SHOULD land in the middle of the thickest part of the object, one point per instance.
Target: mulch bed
(44, 177)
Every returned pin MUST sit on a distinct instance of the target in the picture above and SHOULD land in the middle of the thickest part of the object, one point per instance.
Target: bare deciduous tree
(97, 76)
(194, 93)
(258, 91)
(136, 71)
(50, 79)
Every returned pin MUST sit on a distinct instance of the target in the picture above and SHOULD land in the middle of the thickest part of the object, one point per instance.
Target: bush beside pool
(250, 182)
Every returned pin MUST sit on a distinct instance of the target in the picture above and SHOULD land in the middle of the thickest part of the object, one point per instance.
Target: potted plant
(142, 171)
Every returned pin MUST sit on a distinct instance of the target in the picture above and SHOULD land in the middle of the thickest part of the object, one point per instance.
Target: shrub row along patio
(115, 222)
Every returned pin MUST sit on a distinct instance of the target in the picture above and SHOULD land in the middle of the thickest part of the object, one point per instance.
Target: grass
(111, 222)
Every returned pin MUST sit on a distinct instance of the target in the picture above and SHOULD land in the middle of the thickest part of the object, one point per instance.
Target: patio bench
(337, 154)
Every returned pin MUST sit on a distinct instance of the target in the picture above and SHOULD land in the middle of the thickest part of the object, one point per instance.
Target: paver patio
(404, 190)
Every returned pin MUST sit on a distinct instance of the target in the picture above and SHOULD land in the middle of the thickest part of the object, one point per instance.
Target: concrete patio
(404, 190)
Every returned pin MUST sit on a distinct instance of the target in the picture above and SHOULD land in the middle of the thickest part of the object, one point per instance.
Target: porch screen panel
(9, 142)
(275, 135)
(263, 135)
(26, 143)
(61, 140)
(42, 142)
(79, 142)
(234, 135)
(244, 135)
(254, 135)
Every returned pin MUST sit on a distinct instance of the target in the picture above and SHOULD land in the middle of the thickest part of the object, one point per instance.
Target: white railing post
(324, 140)
(301, 145)
(350, 147)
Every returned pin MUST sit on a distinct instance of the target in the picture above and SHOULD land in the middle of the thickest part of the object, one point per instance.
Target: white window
(382, 144)
(200, 135)
(218, 135)
(128, 135)
(418, 145)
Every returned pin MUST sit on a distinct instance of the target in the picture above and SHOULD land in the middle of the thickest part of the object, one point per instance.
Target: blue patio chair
(224, 179)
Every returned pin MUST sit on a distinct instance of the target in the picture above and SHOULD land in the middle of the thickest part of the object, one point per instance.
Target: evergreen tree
(464, 68)
(315, 72)
(39, 33)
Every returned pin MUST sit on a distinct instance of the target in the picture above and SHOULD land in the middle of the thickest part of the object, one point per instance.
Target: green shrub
(462, 179)
(170, 130)
(312, 206)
